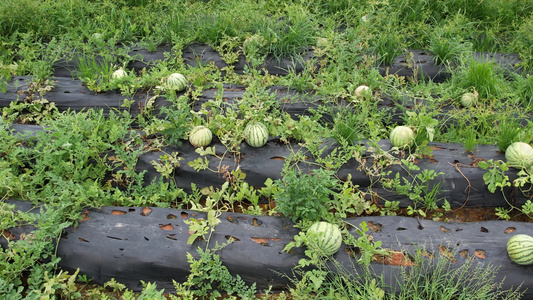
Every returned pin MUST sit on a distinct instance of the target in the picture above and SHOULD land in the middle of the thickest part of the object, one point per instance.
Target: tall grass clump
(419, 278)
(481, 74)
(524, 90)
(286, 36)
(522, 43)
(448, 41)
(508, 132)
(439, 278)
(388, 45)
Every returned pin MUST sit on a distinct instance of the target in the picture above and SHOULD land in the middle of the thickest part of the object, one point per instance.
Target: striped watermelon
(402, 136)
(519, 155)
(324, 237)
(256, 134)
(176, 82)
(200, 136)
(469, 99)
(520, 249)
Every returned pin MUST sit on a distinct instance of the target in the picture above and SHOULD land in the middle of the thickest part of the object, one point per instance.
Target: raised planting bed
(417, 64)
(462, 182)
(70, 94)
(132, 244)
(67, 94)
(193, 54)
(197, 148)
(420, 64)
(460, 178)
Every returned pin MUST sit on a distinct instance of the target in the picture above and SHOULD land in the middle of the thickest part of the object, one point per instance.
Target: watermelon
(519, 155)
(469, 99)
(200, 136)
(256, 134)
(363, 91)
(176, 82)
(324, 237)
(402, 136)
(520, 249)
(119, 74)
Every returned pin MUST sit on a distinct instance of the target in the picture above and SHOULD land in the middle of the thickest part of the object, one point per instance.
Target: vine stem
(468, 188)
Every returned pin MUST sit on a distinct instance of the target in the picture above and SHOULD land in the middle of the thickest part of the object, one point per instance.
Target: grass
(89, 159)
(426, 278)
(440, 279)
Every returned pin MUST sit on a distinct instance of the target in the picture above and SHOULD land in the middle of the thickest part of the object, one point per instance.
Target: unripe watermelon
(200, 136)
(176, 82)
(402, 136)
(256, 134)
(469, 99)
(520, 249)
(519, 155)
(324, 237)
(119, 74)
(363, 91)
(97, 36)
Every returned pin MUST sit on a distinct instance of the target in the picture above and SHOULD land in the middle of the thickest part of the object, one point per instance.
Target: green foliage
(286, 36)
(32, 106)
(198, 228)
(343, 283)
(90, 158)
(177, 121)
(209, 277)
(351, 201)
(523, 43)
(167, 164)
(26, 253)
(425, 128)
(523, 87)
(448, 44)
(496, 178)
(482, 75)
(388, 45)
(368, 248)
(356, 122)
(433, 278)
(305, 196)
(419, 187)
(509, 132)
(439, 279)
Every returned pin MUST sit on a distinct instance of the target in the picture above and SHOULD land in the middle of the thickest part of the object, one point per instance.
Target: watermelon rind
(324, 237)
(520, 249)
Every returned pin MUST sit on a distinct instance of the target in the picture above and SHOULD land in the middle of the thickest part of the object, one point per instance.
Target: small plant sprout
(363, 91)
